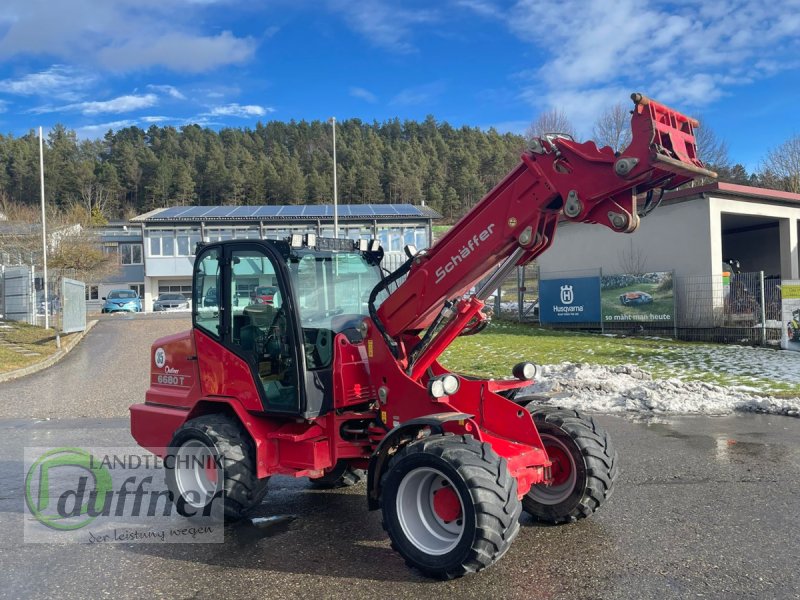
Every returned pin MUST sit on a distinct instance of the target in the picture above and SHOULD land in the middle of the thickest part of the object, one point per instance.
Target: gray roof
(300, 212)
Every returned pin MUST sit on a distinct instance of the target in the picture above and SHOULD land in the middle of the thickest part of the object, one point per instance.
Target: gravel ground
(109, 367)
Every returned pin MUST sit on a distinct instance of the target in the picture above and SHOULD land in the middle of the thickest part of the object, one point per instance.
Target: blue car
(122, 301)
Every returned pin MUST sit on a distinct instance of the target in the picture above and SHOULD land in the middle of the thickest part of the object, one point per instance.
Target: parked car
(210, 298)
(122, 301)
(635, 298)
(170, 302)
(264, 293)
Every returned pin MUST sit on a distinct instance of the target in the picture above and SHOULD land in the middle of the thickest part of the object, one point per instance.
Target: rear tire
(585, 466)
(235, 482)
(449, 505)
(341, 475)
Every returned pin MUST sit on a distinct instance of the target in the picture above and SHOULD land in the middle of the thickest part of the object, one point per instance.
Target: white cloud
(481, 7)
(169, 90)
(421, 94)
(58, 81)
(3, 106)
(93, 131)
(364, 94)
(121, 35)
(179, 52)
(154, 119)
(238, 110)
(386, 26)
(689, 53)
(119, 104)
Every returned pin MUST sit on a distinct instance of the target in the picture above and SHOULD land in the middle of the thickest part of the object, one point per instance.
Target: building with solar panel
(163, 241)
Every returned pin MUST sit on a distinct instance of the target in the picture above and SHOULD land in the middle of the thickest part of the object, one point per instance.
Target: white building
(170, 235)
(691, 233)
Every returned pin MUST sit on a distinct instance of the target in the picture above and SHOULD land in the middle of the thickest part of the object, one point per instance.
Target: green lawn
(33, 339)
(759, 370)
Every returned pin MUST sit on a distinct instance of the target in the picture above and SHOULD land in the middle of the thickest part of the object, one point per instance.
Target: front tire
(213, 460)
(449, 505)
(584, 469)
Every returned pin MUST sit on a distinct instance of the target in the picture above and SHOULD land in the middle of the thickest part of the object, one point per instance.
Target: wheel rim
(430, 511)
(564, 473)
(197, 473)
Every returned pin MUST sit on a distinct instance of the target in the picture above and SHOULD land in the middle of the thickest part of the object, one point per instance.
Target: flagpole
(44, 234)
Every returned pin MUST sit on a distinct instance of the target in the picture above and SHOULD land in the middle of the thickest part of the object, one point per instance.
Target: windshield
(171, 297)
(330, 284)
(265, 291)
(123, 294)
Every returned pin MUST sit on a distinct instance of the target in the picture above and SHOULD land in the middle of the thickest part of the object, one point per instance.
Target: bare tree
(613, 128)
(632, 260)
(712, 150)
(551, 121)
(782, 165)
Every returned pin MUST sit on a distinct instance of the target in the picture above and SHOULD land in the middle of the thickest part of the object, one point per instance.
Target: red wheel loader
(340, 375)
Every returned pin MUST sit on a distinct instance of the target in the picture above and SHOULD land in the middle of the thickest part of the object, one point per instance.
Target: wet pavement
(704, 507)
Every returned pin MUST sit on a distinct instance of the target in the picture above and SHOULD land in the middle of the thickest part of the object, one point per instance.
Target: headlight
(445, 385)
(525, 371)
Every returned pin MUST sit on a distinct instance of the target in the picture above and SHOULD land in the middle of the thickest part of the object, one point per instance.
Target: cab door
(259, 329)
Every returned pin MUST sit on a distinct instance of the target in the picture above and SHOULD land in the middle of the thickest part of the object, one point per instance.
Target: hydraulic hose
(381, 286)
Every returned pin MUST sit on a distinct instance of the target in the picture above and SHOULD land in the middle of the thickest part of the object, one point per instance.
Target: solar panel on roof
(242, 212)
(406, 209)
(316, 211)
(360, 210)
(291, 211)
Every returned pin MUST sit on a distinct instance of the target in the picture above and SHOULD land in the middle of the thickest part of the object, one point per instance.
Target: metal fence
(740, 308)
(22, 298)
(73, 305)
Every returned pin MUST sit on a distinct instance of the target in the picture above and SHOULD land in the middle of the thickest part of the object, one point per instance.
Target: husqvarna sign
(575, 300)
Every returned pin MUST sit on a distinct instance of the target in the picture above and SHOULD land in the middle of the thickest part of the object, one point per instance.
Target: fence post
(674, 306)
(520, 292)
(602, 320)
(498, 293)
(763, 309)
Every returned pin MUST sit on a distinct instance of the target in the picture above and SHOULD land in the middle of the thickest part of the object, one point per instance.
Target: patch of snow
(629, 389)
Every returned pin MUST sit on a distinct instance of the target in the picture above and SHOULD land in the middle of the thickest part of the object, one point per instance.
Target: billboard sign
(647, 298)
(573, 300)
(790, 315)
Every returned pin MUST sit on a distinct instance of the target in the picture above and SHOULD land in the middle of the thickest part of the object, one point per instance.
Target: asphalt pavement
(704, 508)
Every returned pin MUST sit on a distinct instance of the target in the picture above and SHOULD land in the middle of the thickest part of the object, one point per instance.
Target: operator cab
(318, 288)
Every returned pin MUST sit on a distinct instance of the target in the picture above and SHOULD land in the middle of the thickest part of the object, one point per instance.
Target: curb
(50, 360)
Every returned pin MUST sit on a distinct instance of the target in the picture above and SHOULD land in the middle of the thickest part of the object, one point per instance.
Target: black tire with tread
(481, 477)
(242, 488)
(341, 475)
(595, 456)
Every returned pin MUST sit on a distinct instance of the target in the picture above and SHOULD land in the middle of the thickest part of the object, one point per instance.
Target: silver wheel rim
(195, 485)
(556, 494)
(422, 526)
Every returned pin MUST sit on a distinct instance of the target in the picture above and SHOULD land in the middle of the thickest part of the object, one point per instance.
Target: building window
(92, 292)
(138, 288)
(130, 254)
(217, 234)
(175, 287)
(162, 242)
(186, 241)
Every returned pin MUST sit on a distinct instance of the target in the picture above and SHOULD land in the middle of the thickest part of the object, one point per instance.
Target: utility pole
(44, 236)
(332, 121)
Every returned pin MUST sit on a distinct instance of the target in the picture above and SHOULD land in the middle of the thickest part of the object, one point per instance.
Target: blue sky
(99, 64)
